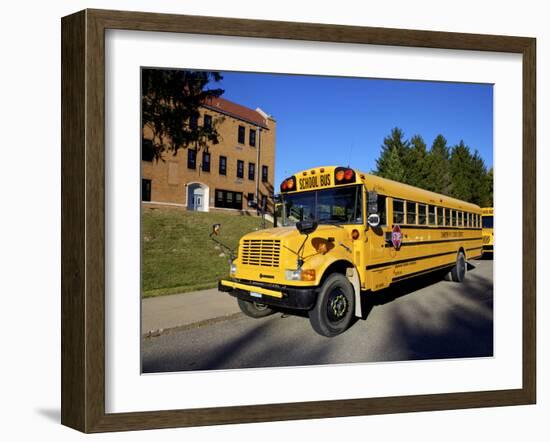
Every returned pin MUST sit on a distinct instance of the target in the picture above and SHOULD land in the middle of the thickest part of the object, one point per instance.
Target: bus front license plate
(256, 295)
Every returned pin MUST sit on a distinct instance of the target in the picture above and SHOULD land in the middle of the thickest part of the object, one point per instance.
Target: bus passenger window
(411, 213)
(469, 220)
(459, 218)
(447, 217)
(440, 215)
(431, 215)
(382, 209)
(398, 212)
(422, 214)
(453, 218)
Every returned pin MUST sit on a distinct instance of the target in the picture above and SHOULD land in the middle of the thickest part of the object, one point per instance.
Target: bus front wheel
(334, 308)
(254, 309)
(458, 272)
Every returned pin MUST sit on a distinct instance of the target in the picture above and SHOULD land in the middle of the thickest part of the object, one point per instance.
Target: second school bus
(487, 230)
(345, 234)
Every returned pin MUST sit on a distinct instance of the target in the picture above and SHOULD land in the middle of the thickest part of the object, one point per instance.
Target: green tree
(480, 182)
(439, 179)
(416, 165)
(462, 183)
(390, 163)
(490, 188)
(170, 102)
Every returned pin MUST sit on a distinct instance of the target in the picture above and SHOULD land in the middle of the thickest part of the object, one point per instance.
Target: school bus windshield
(341, 205)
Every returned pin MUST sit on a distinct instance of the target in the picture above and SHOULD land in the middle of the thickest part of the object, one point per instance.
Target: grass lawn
(177, 254)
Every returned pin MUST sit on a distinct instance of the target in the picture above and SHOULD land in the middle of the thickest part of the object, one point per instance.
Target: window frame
(434, 223)
(397, 200)
(252, 138)
(418, 207)
(265, 175)
(241, 139)
(252, 176)
(224, 172)
(240, 163)
(415, 213)
(192, 163)
(209, 162)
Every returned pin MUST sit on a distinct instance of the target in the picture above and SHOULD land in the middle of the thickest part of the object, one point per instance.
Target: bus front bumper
(286, 297)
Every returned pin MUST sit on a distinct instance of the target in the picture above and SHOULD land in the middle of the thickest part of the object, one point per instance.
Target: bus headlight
(232, 268)
(293, 275)
(300, 275)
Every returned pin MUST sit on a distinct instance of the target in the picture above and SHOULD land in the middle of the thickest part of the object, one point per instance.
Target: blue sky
(339, 121)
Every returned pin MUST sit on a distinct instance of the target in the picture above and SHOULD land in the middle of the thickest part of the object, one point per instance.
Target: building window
(411, 212)
(228, 199)
(252, 138)
(264, 174)
(223, 165)
(250, 199)
(147, 152)
(194, 121)
(251, 171)
(240, 169)
(241, 134)
(207, 122)
(191, 159)
(206, 162)
(398, 212)
(145, 190)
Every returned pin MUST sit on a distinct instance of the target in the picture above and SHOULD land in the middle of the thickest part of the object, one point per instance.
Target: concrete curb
(161, 313)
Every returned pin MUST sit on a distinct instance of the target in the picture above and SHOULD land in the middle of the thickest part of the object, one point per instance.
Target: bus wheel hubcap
(338, 305)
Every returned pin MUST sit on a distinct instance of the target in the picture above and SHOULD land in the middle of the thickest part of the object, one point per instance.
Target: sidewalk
(163, 312)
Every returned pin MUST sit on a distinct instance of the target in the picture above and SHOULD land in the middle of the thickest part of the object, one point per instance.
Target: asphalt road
(425, 318)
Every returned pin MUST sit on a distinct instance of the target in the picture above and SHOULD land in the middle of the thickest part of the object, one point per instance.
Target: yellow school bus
(345, 234)
(487, 230)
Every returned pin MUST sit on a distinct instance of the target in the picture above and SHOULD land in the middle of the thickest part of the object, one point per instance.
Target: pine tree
(480, 182)
(416, 164)
(390, 163)
(461, 168)
(439, 178)
(490, 188)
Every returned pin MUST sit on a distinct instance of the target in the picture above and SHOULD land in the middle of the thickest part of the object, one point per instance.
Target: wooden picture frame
(83, 220)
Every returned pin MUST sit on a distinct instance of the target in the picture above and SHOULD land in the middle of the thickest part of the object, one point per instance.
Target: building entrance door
(198, 198)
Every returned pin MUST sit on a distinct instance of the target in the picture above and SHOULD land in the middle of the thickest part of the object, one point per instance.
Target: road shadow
(401, 323)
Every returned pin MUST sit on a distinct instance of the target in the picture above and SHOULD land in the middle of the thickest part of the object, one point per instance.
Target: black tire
(254, 309)
(458, 272)
(335, 306)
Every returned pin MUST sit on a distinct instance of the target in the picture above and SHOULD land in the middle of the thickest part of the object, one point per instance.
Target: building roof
(236, 111)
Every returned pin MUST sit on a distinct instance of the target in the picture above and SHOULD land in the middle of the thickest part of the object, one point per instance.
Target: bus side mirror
(306, 227)
(372, 203)
(373, 220)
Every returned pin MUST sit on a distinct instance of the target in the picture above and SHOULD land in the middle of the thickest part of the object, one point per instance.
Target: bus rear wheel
(458, 272)
(254, 309)
(333, 311)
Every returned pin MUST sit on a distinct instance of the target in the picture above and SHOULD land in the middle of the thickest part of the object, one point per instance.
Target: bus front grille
(261, 252)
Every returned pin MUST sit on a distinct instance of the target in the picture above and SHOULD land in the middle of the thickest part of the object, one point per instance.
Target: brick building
(227, 176)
